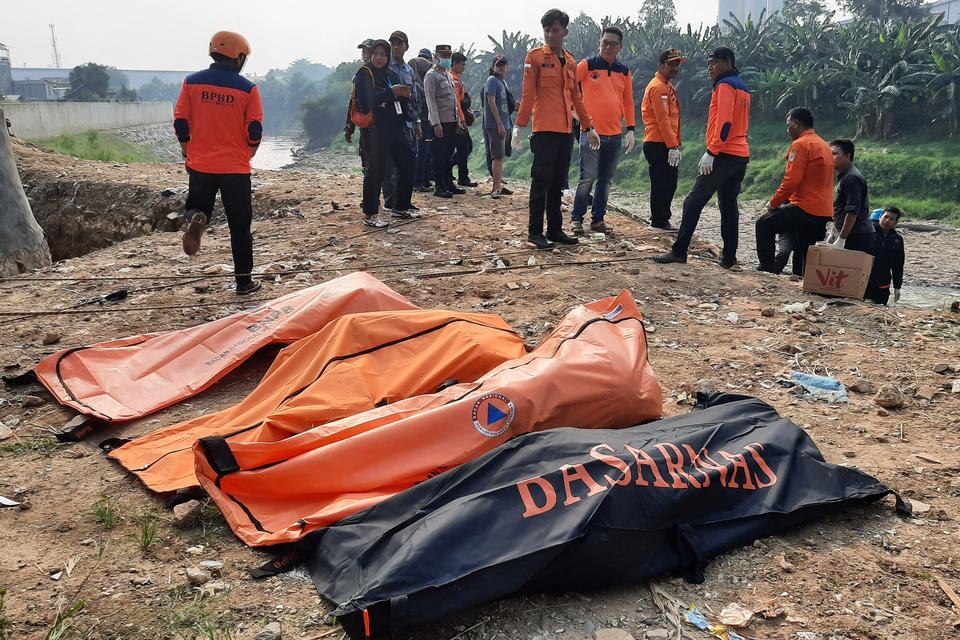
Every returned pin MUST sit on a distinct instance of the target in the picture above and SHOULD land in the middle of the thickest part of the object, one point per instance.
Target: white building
(949, 8)
(744, 8)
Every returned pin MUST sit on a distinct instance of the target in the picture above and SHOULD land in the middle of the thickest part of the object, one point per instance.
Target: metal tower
(53, 43)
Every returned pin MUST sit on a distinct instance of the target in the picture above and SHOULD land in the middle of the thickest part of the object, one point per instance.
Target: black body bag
(573, 509)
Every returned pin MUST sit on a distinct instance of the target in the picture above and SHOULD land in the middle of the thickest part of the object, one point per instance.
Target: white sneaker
(375, 221)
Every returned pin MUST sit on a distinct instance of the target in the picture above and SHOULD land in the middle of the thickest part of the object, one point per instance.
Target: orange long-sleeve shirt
(808, 180)
(729, 117)
(220, 117)
(661, 112)
(458, 89)
(550, 93)
(607, 91)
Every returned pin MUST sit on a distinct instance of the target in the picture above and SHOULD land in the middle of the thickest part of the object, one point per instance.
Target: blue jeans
(595, 167)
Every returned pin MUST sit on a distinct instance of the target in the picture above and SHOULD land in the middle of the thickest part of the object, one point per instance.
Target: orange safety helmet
(229, 44)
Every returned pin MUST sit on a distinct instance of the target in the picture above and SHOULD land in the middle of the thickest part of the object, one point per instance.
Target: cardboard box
(837, 272)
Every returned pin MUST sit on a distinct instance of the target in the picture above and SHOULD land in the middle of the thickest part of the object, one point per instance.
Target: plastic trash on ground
(821, 387)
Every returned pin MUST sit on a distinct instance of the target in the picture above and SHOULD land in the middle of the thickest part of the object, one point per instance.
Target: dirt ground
(865, 574)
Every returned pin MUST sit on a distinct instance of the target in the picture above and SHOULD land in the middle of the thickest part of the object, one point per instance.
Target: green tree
(158, 91)
(882, 9)
(126, 95)
(89, 82)
(805, 10)
(658, 14)
(584, 37)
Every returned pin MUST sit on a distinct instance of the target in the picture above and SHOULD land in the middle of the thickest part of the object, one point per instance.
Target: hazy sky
(146, 34)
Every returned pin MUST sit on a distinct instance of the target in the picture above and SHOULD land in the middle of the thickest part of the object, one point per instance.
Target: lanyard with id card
(396, 103)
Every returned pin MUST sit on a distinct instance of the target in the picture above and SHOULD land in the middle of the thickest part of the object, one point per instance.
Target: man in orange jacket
(550, 94)
(607, 88)
(724, 163)
(219, 123)
(803, 205)
(661, 137)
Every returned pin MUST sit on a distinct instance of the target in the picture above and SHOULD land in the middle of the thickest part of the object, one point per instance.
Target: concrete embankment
(39, 120)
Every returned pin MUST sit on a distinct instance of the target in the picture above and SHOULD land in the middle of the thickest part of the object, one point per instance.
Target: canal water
(275, 152)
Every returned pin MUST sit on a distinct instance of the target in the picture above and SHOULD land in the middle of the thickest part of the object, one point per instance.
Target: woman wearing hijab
(380, 91)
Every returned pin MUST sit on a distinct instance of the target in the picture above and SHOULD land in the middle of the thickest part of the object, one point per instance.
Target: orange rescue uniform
(729, 117)
(551, 93)
(607, 91)
(458, 90)
(220, 117)
(808, 180)
(661, 112)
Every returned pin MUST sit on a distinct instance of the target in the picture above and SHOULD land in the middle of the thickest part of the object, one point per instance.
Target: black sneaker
(505, 191)
(729, 264)
(194, 232)
(423, 188)
(442, 193)
(458, 191)
(577, 227)
(539, 242)
(248, 287)
(559, 237)
(467, 183)
(669, 257)
(666, 226)
(413, 208)
(600, 227)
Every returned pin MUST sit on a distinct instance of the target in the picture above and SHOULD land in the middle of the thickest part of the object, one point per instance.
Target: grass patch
(62, 624)
(918, 174)
(107, 511)
(44, 446)
(211, 521)
(96, 145)
(6, 624)
(146, 533)
(189, 614)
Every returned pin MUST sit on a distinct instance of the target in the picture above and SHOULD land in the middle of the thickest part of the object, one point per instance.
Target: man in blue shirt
(399, 45)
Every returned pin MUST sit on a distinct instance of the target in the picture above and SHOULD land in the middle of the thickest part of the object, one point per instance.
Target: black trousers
(786, 243)
(364, 147)
(805, 228)
(384, 144)
(234, 189)
(441, 150)
(663, 182)
(463, 147)
(725, 181)
(861, 242)
(551, 167)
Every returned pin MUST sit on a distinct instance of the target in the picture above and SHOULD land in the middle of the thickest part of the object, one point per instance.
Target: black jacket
(889, 258)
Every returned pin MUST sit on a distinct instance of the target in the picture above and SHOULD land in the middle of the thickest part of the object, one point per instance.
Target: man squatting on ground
(218, 120)
(802, 206)
(607, 88)
(550, 95)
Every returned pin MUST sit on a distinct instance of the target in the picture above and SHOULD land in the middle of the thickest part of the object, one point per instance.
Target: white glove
(896, 295)
(593, 139)
(832, 235)
(706, 164)
(673, 157)
(840, 243)
(628, 142)
(515, 138)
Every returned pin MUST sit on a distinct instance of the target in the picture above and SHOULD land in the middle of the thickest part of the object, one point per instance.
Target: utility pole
(53, 43)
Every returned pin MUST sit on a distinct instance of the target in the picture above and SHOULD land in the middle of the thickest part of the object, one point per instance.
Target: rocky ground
(89, 553)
